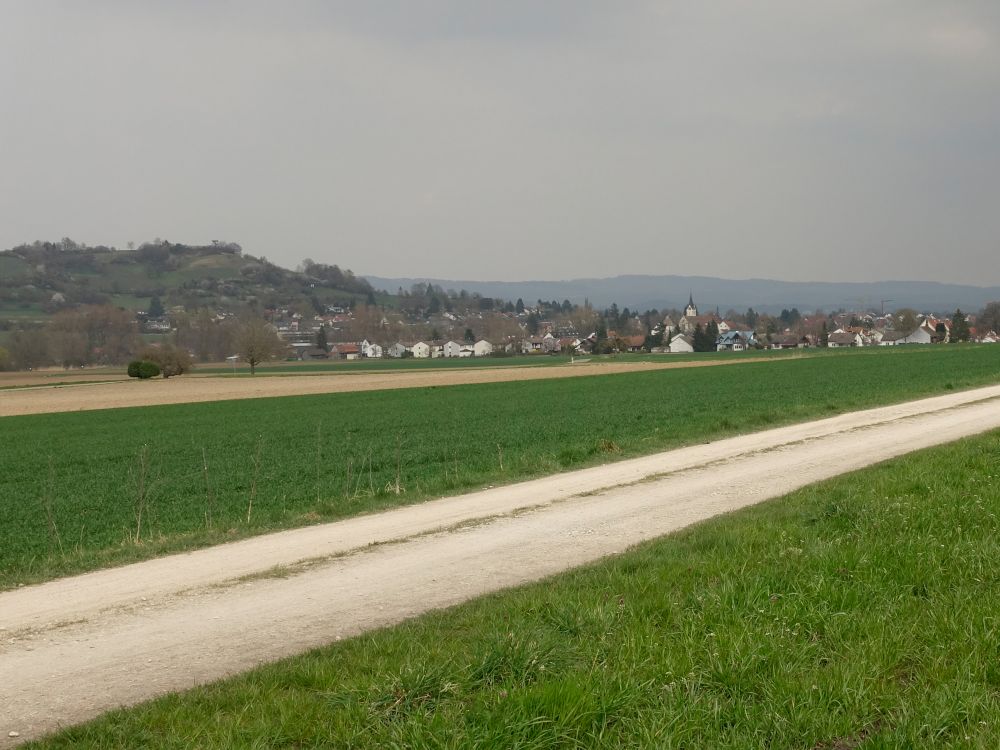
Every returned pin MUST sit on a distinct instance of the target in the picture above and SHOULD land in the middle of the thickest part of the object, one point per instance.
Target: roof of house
(842, 338)
(729, 336)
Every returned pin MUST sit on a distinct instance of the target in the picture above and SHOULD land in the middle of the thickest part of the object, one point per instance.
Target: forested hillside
(40, 279)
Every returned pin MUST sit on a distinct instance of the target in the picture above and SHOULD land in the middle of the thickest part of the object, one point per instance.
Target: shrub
(171, 360)
(143, 369)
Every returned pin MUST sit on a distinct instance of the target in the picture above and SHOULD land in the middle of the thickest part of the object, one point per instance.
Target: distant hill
(764, 295)
(37, 280)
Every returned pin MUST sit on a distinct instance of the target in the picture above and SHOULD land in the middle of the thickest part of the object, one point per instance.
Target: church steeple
(691, 310)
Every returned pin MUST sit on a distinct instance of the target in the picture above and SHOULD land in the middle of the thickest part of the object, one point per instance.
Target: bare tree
(989, 318)
(906, 320)
(257, 341)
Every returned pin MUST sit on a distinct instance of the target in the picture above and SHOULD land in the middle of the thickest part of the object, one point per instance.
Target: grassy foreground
(85, 490)
(861, 611)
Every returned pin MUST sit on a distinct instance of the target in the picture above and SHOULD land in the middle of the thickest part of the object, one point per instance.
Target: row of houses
(435, 349)
(418, 350)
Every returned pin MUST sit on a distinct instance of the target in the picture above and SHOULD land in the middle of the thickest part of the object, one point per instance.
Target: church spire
(691, 311)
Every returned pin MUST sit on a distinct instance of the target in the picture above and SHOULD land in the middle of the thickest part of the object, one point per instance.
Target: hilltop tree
(470, 337)
(155, 308)
(824, 336)
(321, 342)
(257, 342)
(519, 306)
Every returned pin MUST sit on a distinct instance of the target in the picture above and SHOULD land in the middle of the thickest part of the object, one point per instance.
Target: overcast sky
(516, 139)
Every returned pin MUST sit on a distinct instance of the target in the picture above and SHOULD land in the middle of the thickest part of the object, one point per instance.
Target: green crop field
(89, 489)
(861, 611)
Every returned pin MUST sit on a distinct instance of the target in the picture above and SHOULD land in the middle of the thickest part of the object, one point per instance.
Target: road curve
(74, 648)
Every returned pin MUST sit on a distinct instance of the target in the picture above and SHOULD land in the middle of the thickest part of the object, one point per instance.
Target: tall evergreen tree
(959, 327)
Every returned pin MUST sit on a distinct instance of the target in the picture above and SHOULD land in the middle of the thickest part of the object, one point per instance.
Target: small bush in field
(143, 369)
(171, 360)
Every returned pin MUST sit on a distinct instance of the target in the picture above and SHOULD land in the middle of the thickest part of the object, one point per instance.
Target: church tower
(691, 311)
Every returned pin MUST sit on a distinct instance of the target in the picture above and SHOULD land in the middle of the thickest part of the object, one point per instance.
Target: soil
(187, 389)
(74, 648)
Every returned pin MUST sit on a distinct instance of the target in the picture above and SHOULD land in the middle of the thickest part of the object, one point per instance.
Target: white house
(531, 346)
(733, 341)
(841, 339)
(370, 350)
(437, 349)
(452, 349)
(397, 350)
(466, 351)
(421, 350)
(681, 343)
(482, 348)
(922, 335)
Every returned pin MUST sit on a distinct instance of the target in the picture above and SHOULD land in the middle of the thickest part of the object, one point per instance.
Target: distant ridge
(764, 295)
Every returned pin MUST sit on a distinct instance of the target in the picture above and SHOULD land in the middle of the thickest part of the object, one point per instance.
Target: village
(316, 337)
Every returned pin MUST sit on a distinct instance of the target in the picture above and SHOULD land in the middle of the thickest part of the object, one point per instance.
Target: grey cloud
(828, 140)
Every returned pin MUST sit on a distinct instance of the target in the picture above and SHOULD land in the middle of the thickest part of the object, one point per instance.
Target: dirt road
(76, 647)
(89, 396)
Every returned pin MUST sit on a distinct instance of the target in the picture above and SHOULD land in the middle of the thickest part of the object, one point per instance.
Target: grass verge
(858, 611)
(80, 491)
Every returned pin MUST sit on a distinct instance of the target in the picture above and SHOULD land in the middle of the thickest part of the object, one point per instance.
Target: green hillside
(39, 279)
